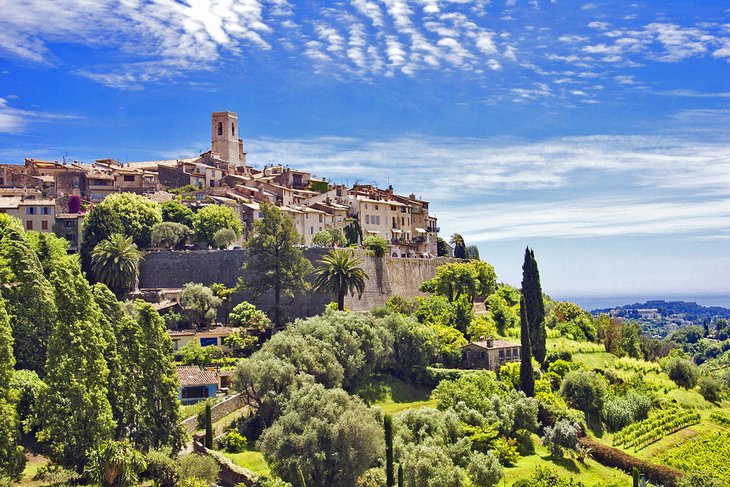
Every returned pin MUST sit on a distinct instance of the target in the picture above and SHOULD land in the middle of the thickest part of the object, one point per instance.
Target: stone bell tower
(225, 141)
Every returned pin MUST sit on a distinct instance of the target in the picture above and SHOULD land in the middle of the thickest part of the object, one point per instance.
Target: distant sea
(589, 303)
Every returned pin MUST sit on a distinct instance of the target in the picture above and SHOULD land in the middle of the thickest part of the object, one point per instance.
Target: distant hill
(691, 310)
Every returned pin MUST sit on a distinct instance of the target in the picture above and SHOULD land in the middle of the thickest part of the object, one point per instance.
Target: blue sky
(596, 132)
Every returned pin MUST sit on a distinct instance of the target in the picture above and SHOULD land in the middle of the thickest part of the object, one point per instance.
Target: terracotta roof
(177, 333)
(191, 375)
(70, 215)
(10, 202)
(495, 344)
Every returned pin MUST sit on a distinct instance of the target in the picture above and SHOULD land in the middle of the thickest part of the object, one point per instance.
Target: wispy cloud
(159, 40)
(565, 187)
(15, 120)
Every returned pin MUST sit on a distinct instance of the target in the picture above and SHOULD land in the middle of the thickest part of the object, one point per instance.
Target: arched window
(233, 129)
(220, 128)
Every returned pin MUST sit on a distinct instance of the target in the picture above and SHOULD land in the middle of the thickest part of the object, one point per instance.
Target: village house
(36, 214)
(209, 337)
(489, 354)
(197, 384)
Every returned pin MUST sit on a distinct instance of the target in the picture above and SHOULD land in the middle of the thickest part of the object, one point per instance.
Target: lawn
(251, 459)
(31, 468)
(592, 473)
(393, 395)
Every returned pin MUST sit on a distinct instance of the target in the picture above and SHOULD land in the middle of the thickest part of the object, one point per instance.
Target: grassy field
(393, 396)
(250, 459)
(591, 473)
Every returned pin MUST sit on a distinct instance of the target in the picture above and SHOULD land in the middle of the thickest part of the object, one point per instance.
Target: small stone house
(489, 354)
(197, 384)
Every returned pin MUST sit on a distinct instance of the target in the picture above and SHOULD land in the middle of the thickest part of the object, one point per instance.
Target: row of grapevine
(721, 418)
(644, 433)
(707, 452)
(629, 363)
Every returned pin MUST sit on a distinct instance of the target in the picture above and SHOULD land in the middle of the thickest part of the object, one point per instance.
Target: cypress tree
(534, 306)
(160, 410)
(208, 426)
(400, 475)
(12, 460)
(29, 298)
(388, 426)
(76, 411)
(527, 381)
(123, 335)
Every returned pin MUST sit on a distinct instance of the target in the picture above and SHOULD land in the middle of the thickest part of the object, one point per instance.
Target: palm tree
(340, 272)
(115, 262)
(459, 246)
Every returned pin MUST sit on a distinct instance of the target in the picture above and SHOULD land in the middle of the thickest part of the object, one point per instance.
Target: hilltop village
(200, 322)
(38, 193)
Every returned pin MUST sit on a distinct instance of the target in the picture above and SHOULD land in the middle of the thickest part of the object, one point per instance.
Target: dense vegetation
(87, 368)
(88, 381)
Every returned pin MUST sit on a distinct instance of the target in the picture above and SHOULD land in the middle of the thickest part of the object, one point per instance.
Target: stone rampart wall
(388, 276)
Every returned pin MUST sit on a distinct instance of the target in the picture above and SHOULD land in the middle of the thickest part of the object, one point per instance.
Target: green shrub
(683, 372)
(195, 466)
(710, 388)
(162, 469)
(484, 469)
(506, 451)
(620, 412)
(525, 445)
(584, 390)
(562, 367)
(561, 436)
(377, 245)
(701, 478)
(235, 442)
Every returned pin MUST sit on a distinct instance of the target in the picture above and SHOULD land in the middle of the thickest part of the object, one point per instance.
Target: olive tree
(200, 302)
(328, 425)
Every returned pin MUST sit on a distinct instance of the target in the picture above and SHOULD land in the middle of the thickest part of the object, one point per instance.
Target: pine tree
(208, 426)
(12, 460)
(534, 306)
(527, 381)
(274, 263)
(388, 426)
(160, 410)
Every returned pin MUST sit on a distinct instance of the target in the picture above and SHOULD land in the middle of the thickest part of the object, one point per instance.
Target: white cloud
(569, 187)
(149, 41)
(15, 120)
(370, 10)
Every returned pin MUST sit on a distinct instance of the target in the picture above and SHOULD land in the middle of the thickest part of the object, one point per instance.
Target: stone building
(35, 214)
(489, 354)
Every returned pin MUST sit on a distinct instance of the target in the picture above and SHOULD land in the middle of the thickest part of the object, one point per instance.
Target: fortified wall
(388, 276)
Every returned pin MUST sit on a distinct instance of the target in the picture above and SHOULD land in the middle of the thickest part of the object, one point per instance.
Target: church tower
(225, 141)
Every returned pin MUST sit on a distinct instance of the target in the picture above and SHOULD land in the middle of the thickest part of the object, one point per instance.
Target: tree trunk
(341, 301)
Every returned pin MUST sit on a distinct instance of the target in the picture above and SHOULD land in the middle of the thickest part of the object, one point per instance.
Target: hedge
(613, 457)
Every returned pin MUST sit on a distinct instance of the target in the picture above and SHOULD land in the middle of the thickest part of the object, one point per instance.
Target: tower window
(220, 128)
(233, 129)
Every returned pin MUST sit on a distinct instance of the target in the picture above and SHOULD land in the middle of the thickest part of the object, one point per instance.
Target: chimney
(490, 342)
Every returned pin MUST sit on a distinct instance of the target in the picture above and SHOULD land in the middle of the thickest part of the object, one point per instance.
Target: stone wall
(217, 411)
(388, 276)
(230, 474)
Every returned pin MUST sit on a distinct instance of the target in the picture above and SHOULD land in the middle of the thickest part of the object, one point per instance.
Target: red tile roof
(191, 375)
